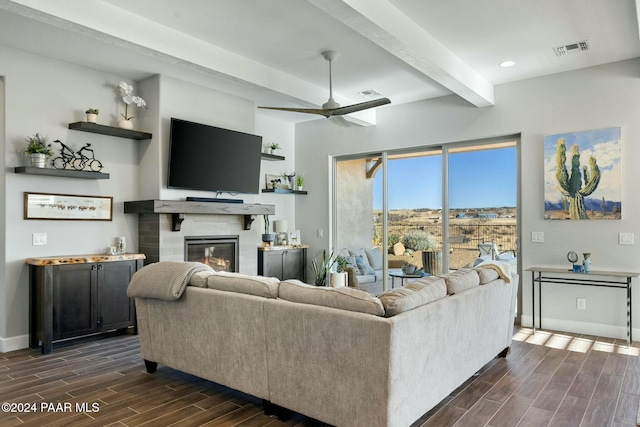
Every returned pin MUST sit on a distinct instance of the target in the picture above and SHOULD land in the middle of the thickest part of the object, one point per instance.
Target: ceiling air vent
(571, 48)
(369, 93)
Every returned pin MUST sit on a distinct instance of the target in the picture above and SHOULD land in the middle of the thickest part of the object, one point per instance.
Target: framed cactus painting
(582, 177)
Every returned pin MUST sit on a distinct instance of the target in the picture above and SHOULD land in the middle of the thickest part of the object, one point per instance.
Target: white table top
(609, 273)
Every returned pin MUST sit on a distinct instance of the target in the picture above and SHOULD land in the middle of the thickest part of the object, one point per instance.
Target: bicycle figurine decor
(77, 160)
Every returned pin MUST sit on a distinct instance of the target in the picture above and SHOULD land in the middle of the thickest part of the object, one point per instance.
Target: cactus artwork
(573, 184)
(584, 183)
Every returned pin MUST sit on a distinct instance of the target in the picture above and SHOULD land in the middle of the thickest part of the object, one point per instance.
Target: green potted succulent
(300, 182)
(92, 115)
(321, 268)
(38, 150)
(339, 277)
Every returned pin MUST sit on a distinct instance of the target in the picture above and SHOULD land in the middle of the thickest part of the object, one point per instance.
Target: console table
(608, 279)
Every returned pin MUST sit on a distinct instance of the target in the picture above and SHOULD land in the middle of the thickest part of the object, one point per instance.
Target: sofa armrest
(352, 282)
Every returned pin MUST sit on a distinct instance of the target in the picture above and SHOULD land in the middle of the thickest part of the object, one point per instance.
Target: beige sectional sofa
(339, 355)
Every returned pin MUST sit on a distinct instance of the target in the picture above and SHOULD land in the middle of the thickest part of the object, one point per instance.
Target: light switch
(39, 239)
(625, 238)
(537, 236)
(320, 232)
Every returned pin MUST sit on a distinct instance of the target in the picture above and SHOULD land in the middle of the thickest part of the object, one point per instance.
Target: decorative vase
(37, 159)
(408, 269)
(338, 280)
(92, 118)
(300, 187)
(125, 124)
(432, 262)
(121, 245)
(586, 264)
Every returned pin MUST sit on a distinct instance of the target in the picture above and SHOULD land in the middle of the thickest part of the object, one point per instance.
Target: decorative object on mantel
(586, 264)
(92, 115)
(273, 147)
(290, 177)
(293, 237)
(267, 238)
(121, 245)
(281, 228)
(38, 150)
(128, 98)
(572, 257)
(275, 181)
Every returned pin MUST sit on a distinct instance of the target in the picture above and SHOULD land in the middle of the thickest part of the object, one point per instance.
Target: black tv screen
(209, 158)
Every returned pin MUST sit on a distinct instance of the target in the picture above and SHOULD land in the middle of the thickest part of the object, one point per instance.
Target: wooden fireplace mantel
(178, 209)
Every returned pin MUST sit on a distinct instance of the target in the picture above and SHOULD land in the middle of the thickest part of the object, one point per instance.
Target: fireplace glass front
(218, 252)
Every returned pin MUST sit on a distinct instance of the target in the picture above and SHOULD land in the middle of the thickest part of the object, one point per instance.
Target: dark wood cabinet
(283, 263)
(79, 296)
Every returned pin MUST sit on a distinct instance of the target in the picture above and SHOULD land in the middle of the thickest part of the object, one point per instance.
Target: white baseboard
(586, 328)
(13, 343)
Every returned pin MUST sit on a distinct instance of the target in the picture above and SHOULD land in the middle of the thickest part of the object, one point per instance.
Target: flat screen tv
(209, 158)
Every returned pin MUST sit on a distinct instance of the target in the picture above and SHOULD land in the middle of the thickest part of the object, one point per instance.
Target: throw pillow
(200, 278)
(461, 280)
(375, 258)
(415, 294)
(266, 287)
(364, 266)
(351, 262)
(341, 298)
(487, 275)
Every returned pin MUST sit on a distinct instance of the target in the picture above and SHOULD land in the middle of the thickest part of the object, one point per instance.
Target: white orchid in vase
(128, 98)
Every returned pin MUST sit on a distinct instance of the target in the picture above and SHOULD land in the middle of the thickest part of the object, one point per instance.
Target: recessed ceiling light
(506, 64)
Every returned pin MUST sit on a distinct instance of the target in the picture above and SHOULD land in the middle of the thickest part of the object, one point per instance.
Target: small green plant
(419, 241)
(37, 144)
(300, 180)
(274, 146)
(321, 268)
(341, 263)
(92, 111)
(393, 239)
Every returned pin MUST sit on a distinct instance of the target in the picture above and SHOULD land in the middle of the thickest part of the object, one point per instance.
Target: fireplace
(219, 252)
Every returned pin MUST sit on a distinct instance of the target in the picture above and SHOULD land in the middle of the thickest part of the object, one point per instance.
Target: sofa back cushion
(461, 280)
(201, 278)
(341, 298)
(266, 287)
(415, 294)
(375, 258)
(487, 275)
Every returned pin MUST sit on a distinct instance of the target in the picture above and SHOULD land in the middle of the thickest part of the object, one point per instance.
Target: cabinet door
(115, 308)
(270, 264)
(293, 264)
(74, 300)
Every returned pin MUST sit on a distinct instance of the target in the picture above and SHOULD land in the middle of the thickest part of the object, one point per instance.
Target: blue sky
(477, 179)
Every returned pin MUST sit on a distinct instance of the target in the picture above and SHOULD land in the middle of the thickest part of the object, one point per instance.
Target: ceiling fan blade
(325, 113)
(340, 111)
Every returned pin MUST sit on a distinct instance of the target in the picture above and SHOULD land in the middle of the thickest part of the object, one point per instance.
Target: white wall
(599, 97)
(43, 95)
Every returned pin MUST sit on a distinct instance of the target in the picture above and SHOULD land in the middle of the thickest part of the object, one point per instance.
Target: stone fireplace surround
(159, 242)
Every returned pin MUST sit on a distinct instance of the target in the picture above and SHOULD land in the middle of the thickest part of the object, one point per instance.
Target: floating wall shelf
(282, 191)
(61, 172)
(272, 157)
(109, 130)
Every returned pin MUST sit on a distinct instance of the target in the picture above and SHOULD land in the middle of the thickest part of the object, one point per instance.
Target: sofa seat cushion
(366, 278)
(266, 287)
(341, 298)
(415, 294)
(461, 280)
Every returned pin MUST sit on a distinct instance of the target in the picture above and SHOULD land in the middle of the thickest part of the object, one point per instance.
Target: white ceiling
(269, 50)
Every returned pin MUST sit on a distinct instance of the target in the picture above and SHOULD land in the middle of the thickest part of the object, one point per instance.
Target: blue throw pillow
(364, 266)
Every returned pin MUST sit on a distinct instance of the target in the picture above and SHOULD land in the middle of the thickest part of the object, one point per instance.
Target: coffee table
(402, 276)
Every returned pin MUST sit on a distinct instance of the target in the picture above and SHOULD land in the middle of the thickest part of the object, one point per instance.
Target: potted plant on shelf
(267, 238)
(339, 277)
(126, 91)
(38, 150)
(92, 115)
(273, 147)
(300, 182)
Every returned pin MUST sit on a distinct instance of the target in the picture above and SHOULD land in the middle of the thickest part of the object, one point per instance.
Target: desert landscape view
(467, 229)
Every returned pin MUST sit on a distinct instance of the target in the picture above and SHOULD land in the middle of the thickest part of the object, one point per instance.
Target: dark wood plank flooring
(549, 379)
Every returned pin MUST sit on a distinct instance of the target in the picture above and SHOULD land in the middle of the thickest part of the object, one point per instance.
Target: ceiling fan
(331, 109)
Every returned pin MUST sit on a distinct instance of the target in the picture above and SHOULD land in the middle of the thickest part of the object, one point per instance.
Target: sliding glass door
(439, 209)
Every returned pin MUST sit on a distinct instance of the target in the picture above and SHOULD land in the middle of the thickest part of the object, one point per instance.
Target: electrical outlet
(625, 238)
(581, 304)
(39, 239)
(537, 236)
(320, 232)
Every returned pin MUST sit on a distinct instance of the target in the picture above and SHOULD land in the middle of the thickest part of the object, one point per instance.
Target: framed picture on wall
(294, 237)
(67, 207)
